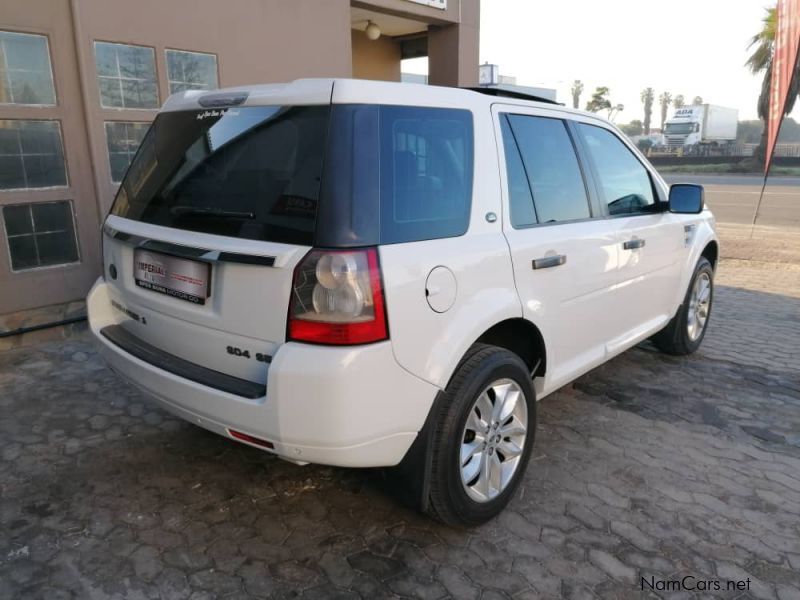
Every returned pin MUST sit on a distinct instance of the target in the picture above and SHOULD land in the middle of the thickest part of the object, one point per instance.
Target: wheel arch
(711, 253)
(523, 338)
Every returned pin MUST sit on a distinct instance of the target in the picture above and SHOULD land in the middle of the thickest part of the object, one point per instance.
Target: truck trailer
(701, 125)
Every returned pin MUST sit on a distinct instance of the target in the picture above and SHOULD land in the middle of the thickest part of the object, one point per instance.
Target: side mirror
(686, 198)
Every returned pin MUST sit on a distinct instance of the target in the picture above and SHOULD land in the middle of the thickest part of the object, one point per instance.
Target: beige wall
(453, 49)
(53, 285)
(279, 40)
(378, 59)
(255, 41)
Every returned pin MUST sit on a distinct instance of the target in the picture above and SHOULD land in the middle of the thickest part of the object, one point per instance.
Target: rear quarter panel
(430, 344)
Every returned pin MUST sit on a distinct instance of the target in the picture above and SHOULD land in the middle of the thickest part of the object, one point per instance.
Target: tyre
(685, 332)
(483, 437)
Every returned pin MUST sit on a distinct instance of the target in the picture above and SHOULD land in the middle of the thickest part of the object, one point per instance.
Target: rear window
(246, 172)
(340, 176)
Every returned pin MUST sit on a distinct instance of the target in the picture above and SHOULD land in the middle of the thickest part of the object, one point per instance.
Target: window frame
(502, 111)
(660, 202)
(97, 77)
(29, 203)
(67, 182)
(50, 63)
(167, 50)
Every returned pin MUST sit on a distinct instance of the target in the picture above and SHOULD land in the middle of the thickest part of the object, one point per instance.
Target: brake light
(337, 299)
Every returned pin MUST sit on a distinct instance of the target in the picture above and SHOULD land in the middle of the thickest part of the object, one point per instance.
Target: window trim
(603, 204)
(67, 183)
(157, 107)
(46, 37)
(166, 65)
(588, 180)
(6, 237)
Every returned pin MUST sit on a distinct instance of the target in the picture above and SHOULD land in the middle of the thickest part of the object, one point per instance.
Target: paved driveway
(650, 467)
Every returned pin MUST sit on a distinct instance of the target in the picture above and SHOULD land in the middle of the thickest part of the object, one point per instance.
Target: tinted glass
(122, 140)
(519, 192)
(248, 172)
(25, 73)
(126, 76)
(341, 176)
(624, 181)
(31, 155)
(551, 165)
(40, 234)
(191, 71)
(425, 173)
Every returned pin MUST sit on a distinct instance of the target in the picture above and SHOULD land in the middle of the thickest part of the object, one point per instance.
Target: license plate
(181, 278)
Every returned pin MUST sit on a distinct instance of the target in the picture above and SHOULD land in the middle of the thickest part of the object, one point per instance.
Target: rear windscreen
(341, 176)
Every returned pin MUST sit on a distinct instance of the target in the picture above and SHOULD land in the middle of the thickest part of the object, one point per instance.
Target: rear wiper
(207, 211)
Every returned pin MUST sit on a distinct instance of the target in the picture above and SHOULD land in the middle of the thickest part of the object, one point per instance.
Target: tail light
(337, 298)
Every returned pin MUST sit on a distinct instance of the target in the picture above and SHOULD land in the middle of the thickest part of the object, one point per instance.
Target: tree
(648, 96)
(698, 100)
(576, 90)
(633, 128)
(760, 61)
(614, 110)
(665, 99)
(599, 100)
(679, 101)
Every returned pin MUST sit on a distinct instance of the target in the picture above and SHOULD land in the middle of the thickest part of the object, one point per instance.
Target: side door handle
(549, 261)
(633, 244)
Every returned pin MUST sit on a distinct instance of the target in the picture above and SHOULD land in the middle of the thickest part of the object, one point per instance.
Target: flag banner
(784, 59)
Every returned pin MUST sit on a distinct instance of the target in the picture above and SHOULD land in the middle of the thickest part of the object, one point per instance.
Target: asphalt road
(733, 198)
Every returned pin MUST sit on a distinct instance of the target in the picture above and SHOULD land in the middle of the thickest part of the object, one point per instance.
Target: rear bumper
(351, 407)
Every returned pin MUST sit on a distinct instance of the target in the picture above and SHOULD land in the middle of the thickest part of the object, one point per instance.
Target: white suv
(371, 274)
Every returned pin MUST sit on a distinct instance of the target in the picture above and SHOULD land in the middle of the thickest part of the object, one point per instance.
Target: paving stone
(456, 583)
(644, 466)
(612, 566)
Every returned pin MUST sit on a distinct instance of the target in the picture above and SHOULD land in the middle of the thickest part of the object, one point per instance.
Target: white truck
(700, 126)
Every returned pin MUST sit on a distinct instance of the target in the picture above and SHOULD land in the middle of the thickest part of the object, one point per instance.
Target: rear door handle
(633, 244)
(549, 261)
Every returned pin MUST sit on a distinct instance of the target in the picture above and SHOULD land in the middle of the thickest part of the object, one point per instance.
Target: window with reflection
(191, 71)
(40, 234)
(126, 75)
(26, 76)
(31, 155)
(624, 182)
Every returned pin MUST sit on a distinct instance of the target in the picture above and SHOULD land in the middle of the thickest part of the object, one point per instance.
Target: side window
(519, 192)
(425, 173)
(551, 167)
(624, 181)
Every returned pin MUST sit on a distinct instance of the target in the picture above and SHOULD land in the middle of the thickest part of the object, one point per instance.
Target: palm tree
(760, 61)
(679, 101)
(648, 96)
(577, 90)
(665, 99)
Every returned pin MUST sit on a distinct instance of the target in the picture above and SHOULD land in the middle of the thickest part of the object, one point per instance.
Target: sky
(689, 47)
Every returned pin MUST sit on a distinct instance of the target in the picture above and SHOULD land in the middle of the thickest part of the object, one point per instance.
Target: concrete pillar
(453, 49)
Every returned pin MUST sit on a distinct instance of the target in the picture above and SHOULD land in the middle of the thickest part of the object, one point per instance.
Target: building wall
(253, 41)
(280, 40)
(53, 285)
(379, 59)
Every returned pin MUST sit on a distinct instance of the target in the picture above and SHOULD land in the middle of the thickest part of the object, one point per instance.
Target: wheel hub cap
(493, 440)
(699, 306)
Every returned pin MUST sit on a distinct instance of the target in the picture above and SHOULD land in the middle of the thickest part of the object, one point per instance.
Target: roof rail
(506, 93)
